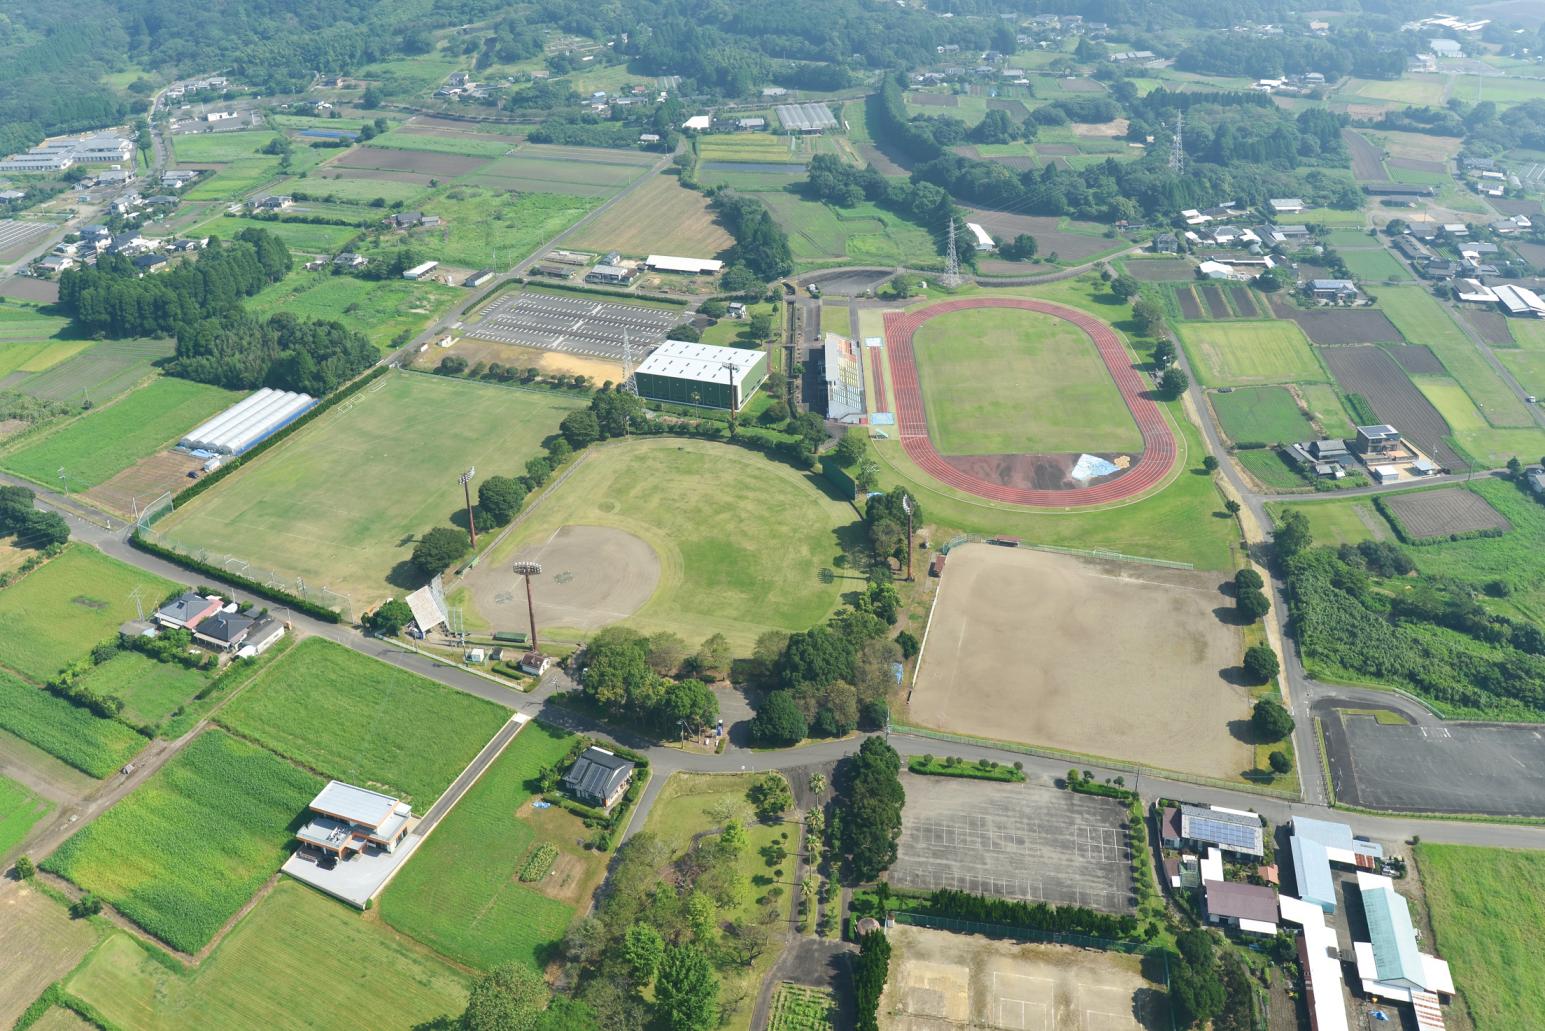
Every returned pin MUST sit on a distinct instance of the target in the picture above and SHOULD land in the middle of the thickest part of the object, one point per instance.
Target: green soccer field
(999, 381)
(1243, 353)
(341, 502)
(107, 440)
(742, 539)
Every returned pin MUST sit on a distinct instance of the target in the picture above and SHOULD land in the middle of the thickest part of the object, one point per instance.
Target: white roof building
(983, 241)
(1321, 964)
(1217, 270)
(1475, 290)
(690, 266)
(702, 123)
(1516, 300)
(1286, 205)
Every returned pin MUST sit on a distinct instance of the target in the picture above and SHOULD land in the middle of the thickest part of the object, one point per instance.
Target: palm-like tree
(818, 784)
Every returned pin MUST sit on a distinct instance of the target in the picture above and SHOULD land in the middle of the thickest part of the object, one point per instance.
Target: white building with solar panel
(1232, 830)
(248, 422)
(806, 119)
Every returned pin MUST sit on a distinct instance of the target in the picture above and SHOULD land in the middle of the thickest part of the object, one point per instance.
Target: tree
(778, 722)
(1252, 605)
(666, 650)
(1515, 468)
(760, 326)
(852, 447)
(1231, 506)
(1210, 463)
(1269, 281)
(1279, 762)
(712, 658)
(1248, 580)
(580, 429)
(908, 643)
(538, 469)
(868, 475)
(1270, 721)
(1125, 287)
(686, 990)
(25, 868)
(642, 949)
(1148, 315)
(1164, 353)
(818, 784)
(389, 619)
(1022, 248)
(1173, 382)
(1261, 663)
(771, 796)
(511, 998)
(438, 548)
(1292, 534)
(499, 498)
(871, 815)
(689, 704)
(685, 332)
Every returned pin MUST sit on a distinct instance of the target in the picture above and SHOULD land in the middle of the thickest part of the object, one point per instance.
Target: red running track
(1159, 451)
(881, 402)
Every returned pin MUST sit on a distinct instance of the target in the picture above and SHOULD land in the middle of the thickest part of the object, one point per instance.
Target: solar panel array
(806, 117)
(1233, 833)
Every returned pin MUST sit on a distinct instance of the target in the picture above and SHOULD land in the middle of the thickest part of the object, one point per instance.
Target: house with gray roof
(598, 777)
(347, 820)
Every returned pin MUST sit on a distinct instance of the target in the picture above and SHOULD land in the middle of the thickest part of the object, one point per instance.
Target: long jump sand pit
(1100, 658)
(592, 576)
(944, 980)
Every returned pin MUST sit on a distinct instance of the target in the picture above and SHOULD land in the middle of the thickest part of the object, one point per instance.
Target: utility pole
(466, 490)
(528, 570)
(906, 503)
(729, 367)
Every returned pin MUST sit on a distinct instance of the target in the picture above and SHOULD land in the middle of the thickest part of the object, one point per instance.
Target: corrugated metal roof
(355, 804)
(704, 363)
(1390, 931)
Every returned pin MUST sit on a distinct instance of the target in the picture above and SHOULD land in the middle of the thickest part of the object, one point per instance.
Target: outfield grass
(478, 912)
(1422, 320)
(1265, 415)
(269, 971)
(20, 809)
(382, 309)
(187, 849)
(215, 147)
(58, 613)
(360, 720)
(1487, 907)
(1242, 353)
(107, 440)
(341, 502)
(151, 690)
(298, 236)
(483, 224)
(1000, 381)
(742, 538)
(1342, 521)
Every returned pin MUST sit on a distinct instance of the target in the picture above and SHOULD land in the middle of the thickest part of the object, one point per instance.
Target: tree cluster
(870, 972)
(637, 677)
(243, 351)
(870, 800)
(29, 526)
(761, 246)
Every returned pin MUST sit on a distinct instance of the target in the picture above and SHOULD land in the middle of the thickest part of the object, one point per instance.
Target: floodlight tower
(528, 570)
(628, 386)
(466, 490)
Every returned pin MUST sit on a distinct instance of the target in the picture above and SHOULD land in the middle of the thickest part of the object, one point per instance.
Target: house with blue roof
(1389, 963)
(1315, 846)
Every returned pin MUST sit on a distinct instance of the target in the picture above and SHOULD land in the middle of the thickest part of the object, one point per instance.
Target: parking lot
(1014, 841)
(575, 325)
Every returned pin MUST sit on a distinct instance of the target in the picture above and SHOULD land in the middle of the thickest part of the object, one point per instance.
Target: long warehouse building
(248, 422)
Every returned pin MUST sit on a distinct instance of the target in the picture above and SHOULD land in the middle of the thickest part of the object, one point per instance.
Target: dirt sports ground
(1098, 658)
(941, 980)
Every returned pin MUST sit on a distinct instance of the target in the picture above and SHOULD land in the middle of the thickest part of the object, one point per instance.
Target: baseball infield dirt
(592, 576)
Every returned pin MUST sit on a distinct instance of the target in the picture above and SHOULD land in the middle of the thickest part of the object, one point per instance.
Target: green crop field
(215, 147)
(797, 1007)
(20, 809)
(1487, 907)
(57, 614)
(479, 913)
(1422, 320)
(467, 146)
(1270, 466)
(1240, 353)
(741, 538)
(298, 236)
(262, 975)
(557, 170)
(999, 381)
(1375, 266)
(360, 720)
(1490, 446)
(659, 216)
(757, 148)
(382, 309)
(107, 440)
(1263, 415)
(187, 849)
(1342, 521)
(99, 373)
(361, 191)
(235, 180)
(480, 222)
(340, 502)
(1427, 90)
(151, 690)
(1326, 407)
(1514, 558)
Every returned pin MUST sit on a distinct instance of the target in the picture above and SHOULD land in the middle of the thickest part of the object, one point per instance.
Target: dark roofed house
(1169, 828)
(187, 610)
(1250, 907)
(598, 777)
(150, 262)
(224, 630)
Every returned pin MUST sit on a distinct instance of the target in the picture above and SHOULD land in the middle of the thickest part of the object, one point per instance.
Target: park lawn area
(754, 147)
(382, 309)
(1487, 907)
(187, 849)
(217, 147)
(659, 216)
(151, 690)
(466, 145)
(1374, 266)
(105, 441)
(680, 812)
(1342, 521)
(20, 809)
(57, 613)
(298, 236)
(235, 180)
(1242, 353)
(341, 502)
(1271, 467)
(1422, 320)
(1261, 415)
(293, 942)
(360, 720)
(742, 539)
(481, 223)
(480, 913)
(1326, 407)
(1004, 381)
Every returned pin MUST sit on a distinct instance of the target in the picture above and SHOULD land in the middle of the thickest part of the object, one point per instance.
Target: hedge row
(962, 905)
(251, 586)
(929, 767)
(870, 972)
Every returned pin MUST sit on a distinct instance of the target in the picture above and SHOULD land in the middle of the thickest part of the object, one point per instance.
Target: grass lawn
(360, 720)
(107, 440)
(1375, 266)
(1271, 467)
(1422, 320)
(213, 147)
(292, 942)
(660, 216)
(1491, 447)
(151, 690)
(479, 912)
(468, 146)
(1343, 521)
(19, 810)
(235, 180)
(381, 309)
(681, 811)
(820, 234)
(1487, 907)
(742, 539)
(298, 236)
(187, 849)
(1427, 90)
(481, 224)
(341, 502)
(1326, 407)
(1000, 381)
(1240, 353)
(59, 612)
(1263, 415)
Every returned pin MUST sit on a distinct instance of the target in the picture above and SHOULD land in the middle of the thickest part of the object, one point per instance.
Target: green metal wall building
(701, 374)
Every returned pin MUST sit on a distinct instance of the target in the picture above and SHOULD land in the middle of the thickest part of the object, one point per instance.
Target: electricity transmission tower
(1177, 149)
(628, 386)
(951, 278)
